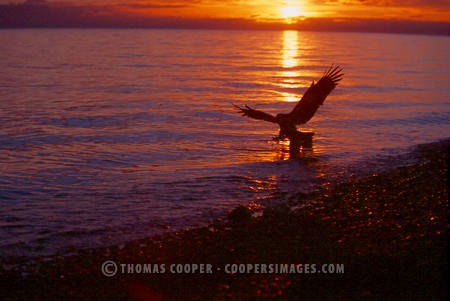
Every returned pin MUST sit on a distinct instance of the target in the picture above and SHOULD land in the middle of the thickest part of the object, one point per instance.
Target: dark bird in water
(302, 112)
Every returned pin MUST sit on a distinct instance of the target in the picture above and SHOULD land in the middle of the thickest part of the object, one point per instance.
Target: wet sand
(389, 230)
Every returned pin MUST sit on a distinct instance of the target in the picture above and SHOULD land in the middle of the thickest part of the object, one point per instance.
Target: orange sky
(431, 10)
(261, 10)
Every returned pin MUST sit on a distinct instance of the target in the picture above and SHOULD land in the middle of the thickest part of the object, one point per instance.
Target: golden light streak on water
(290, 60)
(290, 49)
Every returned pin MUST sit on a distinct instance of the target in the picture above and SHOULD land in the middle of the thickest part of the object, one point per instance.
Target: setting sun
(396, 16)
(288, 12)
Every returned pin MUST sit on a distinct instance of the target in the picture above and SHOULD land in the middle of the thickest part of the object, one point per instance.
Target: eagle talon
(277, 138)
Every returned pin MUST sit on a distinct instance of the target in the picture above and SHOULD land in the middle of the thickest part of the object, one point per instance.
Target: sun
(288, 12)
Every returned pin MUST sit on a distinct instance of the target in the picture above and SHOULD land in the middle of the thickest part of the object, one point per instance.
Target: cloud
(35, 2)
(388, 3)
(374, 25)
(159, 4)
(409, 3)
(151, 6)
(35, 14)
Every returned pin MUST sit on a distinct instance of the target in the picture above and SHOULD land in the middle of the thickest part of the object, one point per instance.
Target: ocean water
(112, 135)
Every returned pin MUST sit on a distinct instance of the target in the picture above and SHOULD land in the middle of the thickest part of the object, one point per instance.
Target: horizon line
(105, 27)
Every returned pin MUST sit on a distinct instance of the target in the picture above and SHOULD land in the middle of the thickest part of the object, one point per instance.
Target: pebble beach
(388, 231)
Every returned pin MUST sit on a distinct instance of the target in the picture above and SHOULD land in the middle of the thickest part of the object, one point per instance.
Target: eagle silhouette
(305, 109)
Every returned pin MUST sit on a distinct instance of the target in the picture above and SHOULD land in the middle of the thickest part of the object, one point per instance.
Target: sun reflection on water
(289, 60)
(290, 49)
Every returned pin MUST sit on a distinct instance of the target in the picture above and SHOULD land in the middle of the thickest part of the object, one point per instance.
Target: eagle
(304, 110)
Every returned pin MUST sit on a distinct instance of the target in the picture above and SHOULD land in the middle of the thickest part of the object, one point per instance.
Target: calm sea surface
(111, 135)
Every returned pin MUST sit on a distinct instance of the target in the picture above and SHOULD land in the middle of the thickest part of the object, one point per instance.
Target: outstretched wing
(256, 114)
(316, 95)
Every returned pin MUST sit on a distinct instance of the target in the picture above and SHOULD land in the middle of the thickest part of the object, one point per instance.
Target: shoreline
(389, 229)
